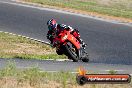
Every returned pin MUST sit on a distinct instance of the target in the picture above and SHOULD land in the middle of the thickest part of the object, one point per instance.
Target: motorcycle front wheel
(71, 51)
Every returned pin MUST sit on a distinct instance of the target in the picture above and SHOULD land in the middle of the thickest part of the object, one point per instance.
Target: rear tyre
(85, 56)
(71, 54)
(85, 59)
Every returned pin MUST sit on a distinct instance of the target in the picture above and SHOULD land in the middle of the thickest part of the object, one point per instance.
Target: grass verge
(118, 8)
(12, 77)
(18, 47)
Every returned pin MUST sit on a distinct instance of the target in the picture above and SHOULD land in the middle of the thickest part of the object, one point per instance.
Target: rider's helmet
(52, 24)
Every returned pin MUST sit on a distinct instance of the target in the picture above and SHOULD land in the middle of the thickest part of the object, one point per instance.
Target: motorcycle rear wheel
(85, 59)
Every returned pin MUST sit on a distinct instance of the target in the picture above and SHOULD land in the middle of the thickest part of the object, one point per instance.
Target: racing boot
(82, 43)
(77, 35)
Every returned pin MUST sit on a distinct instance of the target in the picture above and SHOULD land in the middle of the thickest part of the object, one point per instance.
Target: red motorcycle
(67, 44)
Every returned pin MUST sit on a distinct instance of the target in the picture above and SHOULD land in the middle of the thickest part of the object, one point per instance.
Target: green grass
(18, 47)
(12, 77)
(32, 56)
(112, 72)
(119, 8)
(34, 76)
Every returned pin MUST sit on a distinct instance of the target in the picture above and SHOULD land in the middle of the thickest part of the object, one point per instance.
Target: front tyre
(59, 51)
(71, 53)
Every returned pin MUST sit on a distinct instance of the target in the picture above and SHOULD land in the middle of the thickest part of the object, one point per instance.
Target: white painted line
(27, 38)
(43, 42)
(113, 70)
(63, 60)
(24, 36)
(32, 38)
(57, 60)
(39, 40)
(65, 12)
(19, 35)
(13, 34)
(35, 39)
(74, 72)
(58, 71)
(10, 33)
(70, 72)
(6, 32)
(50, 71)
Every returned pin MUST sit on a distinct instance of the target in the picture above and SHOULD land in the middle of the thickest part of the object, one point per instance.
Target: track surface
(108, 43)
(53, 66)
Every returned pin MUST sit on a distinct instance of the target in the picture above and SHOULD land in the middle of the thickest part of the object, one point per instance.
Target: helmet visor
(50, 28)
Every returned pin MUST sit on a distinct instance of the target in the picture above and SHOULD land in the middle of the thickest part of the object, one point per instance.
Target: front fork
(82, 53)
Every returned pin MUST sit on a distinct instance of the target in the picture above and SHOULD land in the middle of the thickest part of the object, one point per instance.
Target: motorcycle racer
(55, 29)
